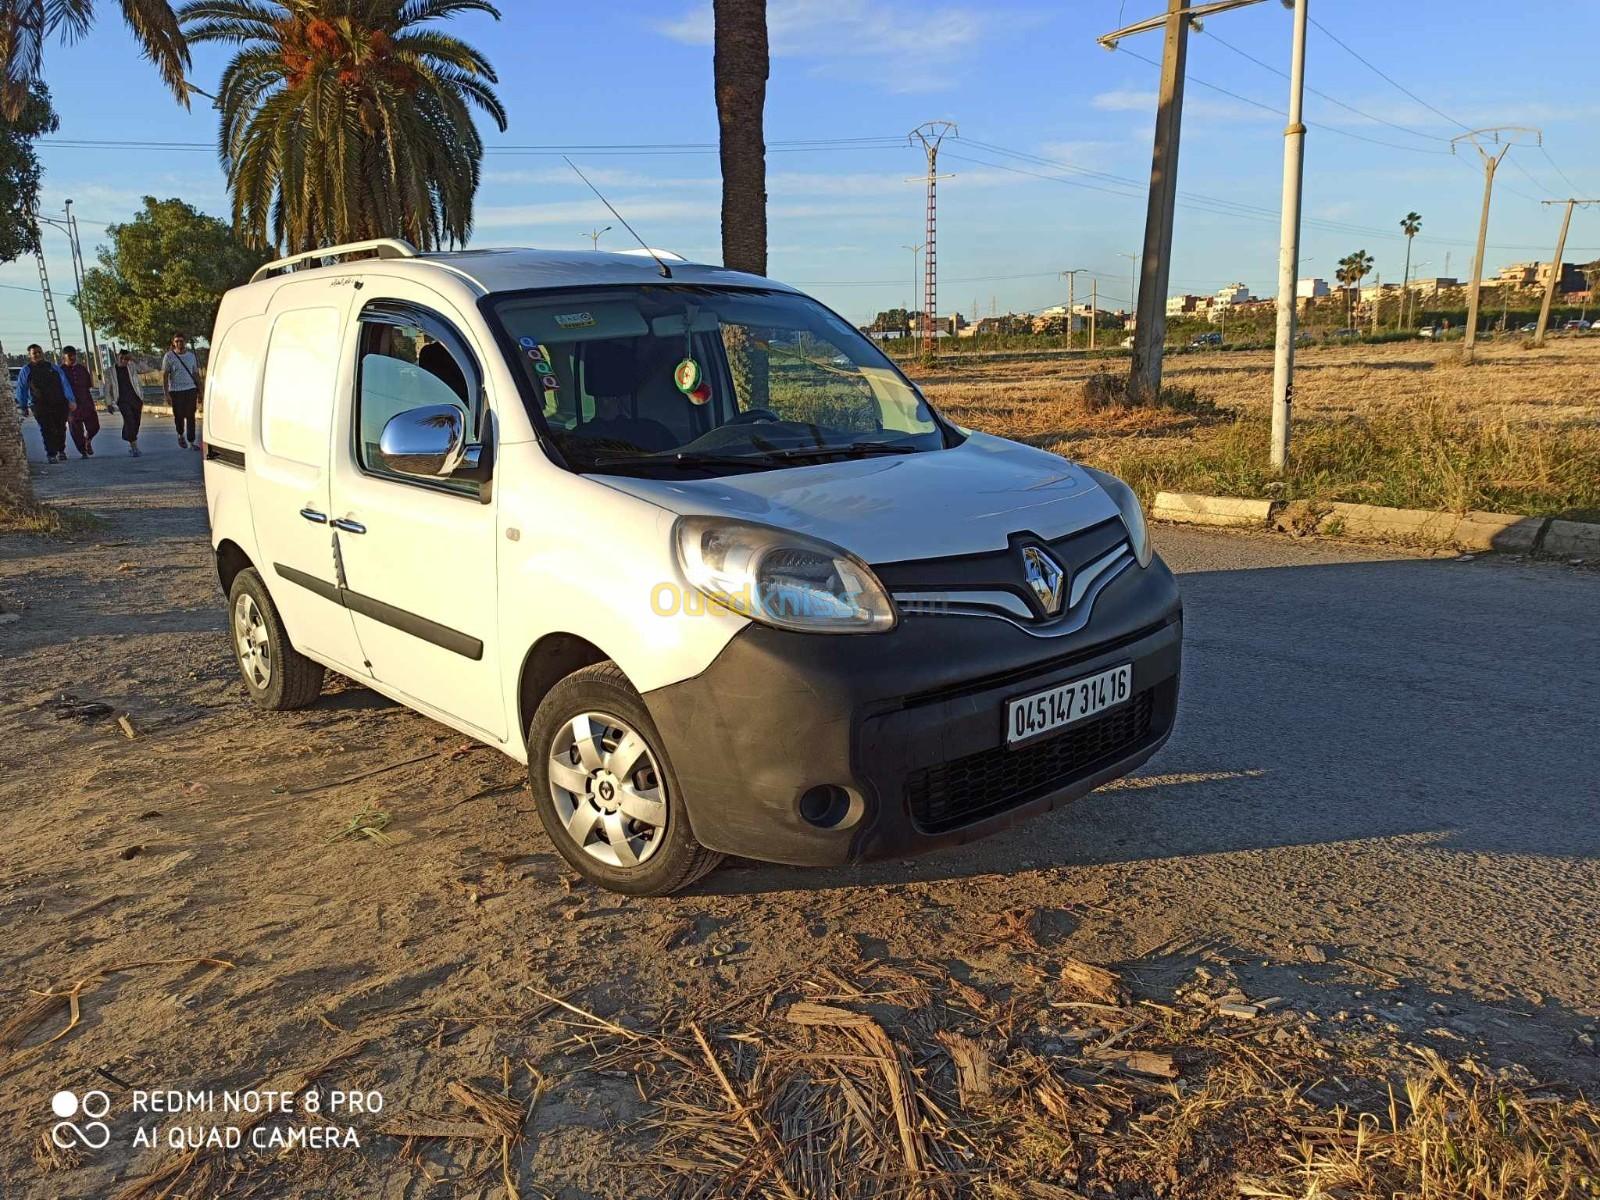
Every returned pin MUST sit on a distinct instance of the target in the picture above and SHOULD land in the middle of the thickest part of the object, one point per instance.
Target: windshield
(682, 380)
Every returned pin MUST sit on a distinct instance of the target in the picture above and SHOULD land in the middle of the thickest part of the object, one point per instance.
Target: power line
(1576, 190)
(1254, 103)
(1192, 200)
(1384, 76)
(1266, 66)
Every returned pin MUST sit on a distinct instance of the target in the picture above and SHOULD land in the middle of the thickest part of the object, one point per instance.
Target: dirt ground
(430, 956)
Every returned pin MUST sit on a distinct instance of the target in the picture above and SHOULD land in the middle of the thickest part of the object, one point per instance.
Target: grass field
(1403, 424)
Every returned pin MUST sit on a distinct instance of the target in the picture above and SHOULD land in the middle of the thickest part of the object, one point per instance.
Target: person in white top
(180, 383)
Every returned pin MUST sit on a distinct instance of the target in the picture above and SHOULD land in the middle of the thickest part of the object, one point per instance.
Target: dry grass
(1402, 424)
(880, 1080)
(32, 517)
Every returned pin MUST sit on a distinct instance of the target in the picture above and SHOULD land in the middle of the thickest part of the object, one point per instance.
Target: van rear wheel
(277, 675)
(605, 791)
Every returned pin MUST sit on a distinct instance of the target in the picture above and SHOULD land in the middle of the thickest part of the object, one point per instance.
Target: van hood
(964, 500)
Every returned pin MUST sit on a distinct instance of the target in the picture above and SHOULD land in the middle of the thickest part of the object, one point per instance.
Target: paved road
(1392, 759)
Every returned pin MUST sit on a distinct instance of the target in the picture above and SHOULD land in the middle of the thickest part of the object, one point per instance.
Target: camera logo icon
(91, 1132)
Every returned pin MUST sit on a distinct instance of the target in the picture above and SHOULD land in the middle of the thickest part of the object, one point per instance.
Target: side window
(407, 362)
(297, 385)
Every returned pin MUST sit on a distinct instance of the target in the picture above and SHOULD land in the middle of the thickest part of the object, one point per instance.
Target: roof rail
(378, 247)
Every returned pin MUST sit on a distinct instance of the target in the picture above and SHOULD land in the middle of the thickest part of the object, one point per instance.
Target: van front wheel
(277, 675)
(605, 790)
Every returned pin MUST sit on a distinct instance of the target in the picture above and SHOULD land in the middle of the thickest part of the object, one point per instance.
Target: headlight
(782, 579)
(1132, 515)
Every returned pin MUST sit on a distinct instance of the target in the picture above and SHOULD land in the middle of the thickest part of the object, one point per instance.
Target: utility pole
(1492, 146)
(1133, 277)
(1555, 266)
(1072, 298)
(1294, 157)
(594, 236)
(92, 350)
(1150, 322)
(930, 134)
(916, 272)
(1377, 299)
(1094, 307)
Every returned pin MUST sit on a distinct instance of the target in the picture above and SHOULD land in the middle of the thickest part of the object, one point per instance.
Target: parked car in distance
(1578, 325)
(1206, 339)
(1428, 331)
(1529, 327)
(1346, 332)
(630, 520)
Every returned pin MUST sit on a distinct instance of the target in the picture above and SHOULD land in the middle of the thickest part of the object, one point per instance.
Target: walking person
(85, 420)
(180, 383)
(42, 387)
(128, 395)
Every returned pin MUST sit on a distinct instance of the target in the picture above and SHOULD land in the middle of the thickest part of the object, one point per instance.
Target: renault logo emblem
(1046, 579)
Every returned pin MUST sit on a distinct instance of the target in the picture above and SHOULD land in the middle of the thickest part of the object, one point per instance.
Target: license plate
(1028, 717)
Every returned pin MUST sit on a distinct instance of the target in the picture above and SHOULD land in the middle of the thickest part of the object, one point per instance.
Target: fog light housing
(828, 806)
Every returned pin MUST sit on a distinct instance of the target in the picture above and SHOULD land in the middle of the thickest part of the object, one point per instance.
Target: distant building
(1517, 275)
(1311, 289)
(1234, 293)
(1186, 306)
(1433, 285)
(1572, 278)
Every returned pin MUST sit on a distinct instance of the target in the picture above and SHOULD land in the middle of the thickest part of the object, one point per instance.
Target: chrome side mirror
(430, 442)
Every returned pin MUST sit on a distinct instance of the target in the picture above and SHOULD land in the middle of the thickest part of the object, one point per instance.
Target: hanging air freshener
(701, 394)
(686, 375)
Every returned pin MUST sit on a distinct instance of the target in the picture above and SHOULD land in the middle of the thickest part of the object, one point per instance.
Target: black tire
(292, 680)
(675, 860)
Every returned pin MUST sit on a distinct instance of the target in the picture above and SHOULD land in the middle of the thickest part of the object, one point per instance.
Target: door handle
(314, 516)
(348, 526)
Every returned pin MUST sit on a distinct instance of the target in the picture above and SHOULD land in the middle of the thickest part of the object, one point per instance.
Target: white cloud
(902, 51)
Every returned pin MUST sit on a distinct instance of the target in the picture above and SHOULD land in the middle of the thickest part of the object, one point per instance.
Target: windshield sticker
(576, 320)
(528, 343)
(686, 375)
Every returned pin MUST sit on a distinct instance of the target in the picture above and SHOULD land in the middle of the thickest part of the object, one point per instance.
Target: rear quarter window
(297, 385)
(231, 378)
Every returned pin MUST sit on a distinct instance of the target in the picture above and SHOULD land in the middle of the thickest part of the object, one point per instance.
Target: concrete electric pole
(1492, 146)
(1150, 304)
(1555, 266)
(916, 272)
(1072, 279)
(1294, 158)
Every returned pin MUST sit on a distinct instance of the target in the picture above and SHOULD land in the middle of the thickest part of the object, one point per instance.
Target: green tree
(1353, 268)
(25, 26)
(19, 197)
(1411, 225)
(164, 273)
(348, 119)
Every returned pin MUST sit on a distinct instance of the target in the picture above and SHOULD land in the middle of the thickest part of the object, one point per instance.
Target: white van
(682, 540)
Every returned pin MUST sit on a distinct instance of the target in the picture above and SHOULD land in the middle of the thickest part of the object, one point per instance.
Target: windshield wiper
(680, 458)
(849, 448)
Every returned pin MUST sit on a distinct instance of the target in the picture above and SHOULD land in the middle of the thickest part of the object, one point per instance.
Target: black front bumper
(910, 725)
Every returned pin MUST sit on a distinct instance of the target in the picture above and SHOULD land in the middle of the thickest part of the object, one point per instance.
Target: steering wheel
(751, 415)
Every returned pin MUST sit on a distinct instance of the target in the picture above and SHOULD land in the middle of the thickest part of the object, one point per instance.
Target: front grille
(980, 785)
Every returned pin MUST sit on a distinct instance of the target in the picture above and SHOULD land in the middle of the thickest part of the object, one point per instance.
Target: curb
(1475, 531)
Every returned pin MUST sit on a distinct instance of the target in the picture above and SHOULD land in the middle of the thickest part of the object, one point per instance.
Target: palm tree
(1411, 223)
(1353, 268)
(346, 119)
(739, 66)
(25, 26)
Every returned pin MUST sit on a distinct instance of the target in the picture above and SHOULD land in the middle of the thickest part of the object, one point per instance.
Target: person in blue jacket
(46, 390)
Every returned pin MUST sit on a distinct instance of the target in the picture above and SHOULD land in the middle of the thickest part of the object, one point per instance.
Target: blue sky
(1025, 79)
